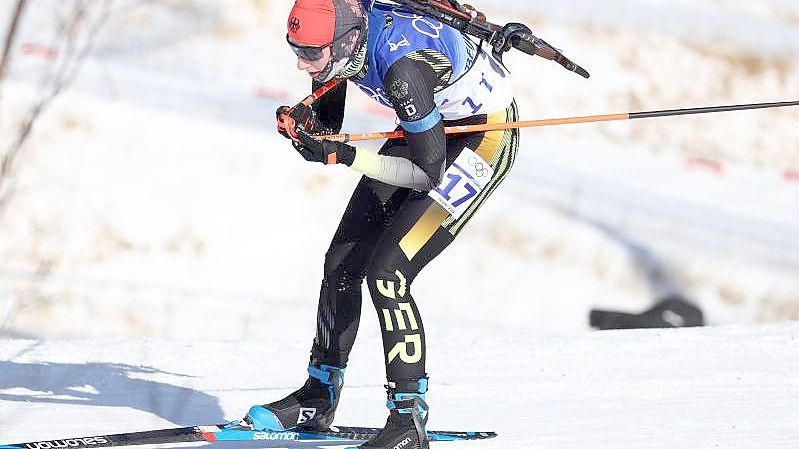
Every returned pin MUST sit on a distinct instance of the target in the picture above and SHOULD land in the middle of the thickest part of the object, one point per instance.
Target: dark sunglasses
(313, 53)
(310, 54)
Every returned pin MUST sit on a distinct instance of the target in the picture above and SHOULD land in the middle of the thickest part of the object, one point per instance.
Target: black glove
(300, 116)
(282, 115)
(324, 151)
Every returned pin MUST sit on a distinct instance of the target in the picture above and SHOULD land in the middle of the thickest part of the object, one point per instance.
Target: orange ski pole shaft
(321, 92)
(451, 130)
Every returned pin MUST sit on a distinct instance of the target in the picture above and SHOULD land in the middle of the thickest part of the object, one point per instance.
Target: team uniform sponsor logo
(402, 43)
(400, 89)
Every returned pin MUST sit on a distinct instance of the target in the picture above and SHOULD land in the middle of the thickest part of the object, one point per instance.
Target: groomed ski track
(723, 387)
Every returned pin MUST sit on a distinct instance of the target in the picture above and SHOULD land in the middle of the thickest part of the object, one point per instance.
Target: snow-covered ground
(154, 200)
(724, 387)
(156, 186)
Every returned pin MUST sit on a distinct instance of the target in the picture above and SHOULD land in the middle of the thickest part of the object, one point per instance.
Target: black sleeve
(410, 84)
(330, 108)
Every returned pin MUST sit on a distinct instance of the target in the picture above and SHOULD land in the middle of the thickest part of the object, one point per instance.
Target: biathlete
(415, 197)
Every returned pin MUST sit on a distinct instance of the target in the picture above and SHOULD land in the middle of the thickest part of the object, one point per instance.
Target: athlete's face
(314, 68)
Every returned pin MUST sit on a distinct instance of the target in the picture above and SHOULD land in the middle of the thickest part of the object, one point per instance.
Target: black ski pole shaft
(739, 107)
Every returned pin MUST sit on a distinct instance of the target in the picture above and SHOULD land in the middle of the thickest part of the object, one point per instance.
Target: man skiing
(416, 194)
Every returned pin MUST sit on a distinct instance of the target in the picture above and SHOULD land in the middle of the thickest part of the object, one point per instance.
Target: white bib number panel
(462, 183)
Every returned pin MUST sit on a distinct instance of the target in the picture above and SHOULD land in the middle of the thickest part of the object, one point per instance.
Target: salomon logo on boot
(312, 407)
(403, 443)
(306, 414)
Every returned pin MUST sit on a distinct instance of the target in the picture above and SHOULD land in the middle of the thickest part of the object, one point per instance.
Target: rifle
(470, 21)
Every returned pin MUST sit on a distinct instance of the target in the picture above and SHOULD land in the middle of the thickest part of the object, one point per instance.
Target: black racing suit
(392, 229)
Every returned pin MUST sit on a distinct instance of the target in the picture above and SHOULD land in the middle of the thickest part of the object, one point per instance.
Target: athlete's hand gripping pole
(326, 151)
(289, 119)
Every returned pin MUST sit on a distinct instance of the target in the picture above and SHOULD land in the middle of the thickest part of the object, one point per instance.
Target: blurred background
(145, 193)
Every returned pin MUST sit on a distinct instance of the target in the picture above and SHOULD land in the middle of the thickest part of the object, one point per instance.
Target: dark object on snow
(670, 312)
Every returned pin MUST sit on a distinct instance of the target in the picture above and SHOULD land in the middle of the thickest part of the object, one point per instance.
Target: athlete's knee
(339, 275)
(342, 281)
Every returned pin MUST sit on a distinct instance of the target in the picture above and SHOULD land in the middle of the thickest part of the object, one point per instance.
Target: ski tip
(459, 436)
(480, 435)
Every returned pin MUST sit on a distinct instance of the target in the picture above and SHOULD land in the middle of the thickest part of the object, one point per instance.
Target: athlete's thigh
(371, 208)
(412, 239)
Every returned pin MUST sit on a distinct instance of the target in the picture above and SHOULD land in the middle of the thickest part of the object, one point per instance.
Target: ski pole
(321, 92)
(287, 123)
(451, 130)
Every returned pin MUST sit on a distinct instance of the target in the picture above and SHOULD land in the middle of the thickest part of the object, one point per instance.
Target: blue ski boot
(405, 428)
(311, 407)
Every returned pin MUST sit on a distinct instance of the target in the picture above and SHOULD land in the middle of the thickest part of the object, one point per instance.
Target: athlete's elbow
(434, 177)
(430, 185)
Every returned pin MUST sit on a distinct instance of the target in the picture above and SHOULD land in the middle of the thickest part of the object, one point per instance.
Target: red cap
(312, 22)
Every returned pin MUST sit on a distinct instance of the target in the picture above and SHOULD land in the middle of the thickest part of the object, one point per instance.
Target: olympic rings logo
(480, 168)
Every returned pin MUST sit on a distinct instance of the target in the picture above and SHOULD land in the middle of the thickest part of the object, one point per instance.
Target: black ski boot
(405, 428)
(311, 407)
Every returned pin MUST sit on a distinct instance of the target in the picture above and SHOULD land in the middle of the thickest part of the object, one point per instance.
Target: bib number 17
(462, 183)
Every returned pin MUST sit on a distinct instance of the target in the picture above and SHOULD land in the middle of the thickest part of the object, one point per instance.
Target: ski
(228, 432)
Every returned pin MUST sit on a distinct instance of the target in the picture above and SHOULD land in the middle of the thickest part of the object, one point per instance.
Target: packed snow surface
(725, 387)
(157, 185)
